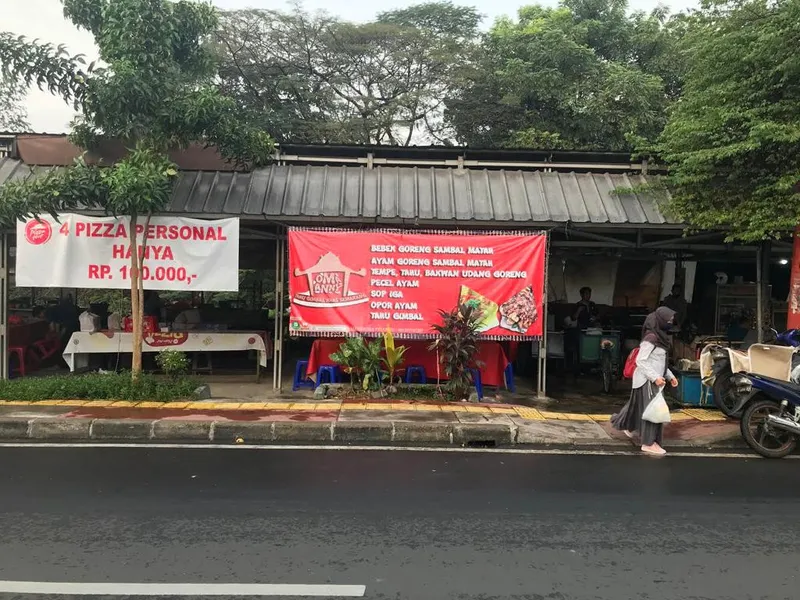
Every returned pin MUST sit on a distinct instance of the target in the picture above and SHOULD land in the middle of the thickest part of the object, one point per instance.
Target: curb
(298, 432)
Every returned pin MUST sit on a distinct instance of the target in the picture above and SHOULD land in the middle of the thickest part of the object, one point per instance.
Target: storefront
(600, 233)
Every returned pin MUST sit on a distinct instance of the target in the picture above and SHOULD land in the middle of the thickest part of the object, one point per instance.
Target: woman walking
(651, 374)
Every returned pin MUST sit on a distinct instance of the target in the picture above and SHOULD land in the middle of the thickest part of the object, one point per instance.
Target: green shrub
(99, 386)
(173, 363)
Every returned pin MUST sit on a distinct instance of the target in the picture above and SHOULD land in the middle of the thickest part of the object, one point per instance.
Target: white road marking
(541, 451)
(182, 589)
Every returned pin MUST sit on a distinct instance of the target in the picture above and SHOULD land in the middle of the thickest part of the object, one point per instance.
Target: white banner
(94, 252)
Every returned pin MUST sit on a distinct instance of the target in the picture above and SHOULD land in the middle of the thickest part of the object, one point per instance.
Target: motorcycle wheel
(725, 393)
(765, 440)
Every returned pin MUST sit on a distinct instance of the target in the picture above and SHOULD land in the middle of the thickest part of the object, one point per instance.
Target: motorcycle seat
(777, 382)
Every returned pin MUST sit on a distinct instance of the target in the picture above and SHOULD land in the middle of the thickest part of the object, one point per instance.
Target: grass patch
(97, 386)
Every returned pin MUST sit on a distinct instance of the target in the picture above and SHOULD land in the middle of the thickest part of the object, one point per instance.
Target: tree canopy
(13, 116)
(732, 143)
(316, 78)
(583, 75)
(154, 92)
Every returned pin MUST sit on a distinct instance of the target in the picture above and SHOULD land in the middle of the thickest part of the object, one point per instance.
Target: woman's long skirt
(629, 418)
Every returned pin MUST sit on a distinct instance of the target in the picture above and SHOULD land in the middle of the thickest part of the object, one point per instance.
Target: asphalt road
(407, 525)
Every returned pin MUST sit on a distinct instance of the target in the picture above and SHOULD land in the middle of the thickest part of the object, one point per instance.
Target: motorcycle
(770, 414)
(719, 365)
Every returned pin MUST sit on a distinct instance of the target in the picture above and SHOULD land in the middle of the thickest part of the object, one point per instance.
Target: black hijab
(655, 327)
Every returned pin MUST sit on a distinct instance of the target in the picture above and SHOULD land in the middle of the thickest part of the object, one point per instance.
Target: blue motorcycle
(771, 414)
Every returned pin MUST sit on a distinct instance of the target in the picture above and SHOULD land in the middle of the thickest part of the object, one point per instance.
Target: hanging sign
(95, 252)
(346, 282)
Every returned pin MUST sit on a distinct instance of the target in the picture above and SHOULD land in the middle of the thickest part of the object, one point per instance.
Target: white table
(83, 343)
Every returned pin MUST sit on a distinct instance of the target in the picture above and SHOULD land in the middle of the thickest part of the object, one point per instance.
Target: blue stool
(300, 377)
(413, 370)
(327, 374)
(509, 374)
(478, 382)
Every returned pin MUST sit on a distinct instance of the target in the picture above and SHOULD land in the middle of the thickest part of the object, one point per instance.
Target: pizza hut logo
(329, 284)
(38, 232)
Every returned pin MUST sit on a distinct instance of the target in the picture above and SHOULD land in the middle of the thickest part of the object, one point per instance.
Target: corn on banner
(349, 282)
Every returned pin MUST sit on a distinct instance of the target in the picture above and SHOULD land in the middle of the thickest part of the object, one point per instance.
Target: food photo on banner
(347, 282)
(75, 251)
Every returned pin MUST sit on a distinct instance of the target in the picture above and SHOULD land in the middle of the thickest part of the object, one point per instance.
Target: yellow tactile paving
(529, 413)
(278, 405)
(686, 414)
(600, 418)
(502, 411)
(704, 414)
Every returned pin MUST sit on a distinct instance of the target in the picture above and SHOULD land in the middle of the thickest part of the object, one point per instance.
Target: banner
(793, 317)
(344, 282)
(88, 252)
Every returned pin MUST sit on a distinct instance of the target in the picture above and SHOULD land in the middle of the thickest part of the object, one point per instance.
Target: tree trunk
(137, 292)
(137, 310)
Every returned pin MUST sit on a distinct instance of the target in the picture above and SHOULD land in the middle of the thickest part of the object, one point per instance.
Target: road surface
(404, 525)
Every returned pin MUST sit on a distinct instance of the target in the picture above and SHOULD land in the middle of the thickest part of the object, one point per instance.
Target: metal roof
(291, 194)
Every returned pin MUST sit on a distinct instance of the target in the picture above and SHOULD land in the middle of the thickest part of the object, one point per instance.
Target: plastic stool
(419, 370)
(329, 373)
(509, 374)
(19, 352)
(478, 382)
(300, 376)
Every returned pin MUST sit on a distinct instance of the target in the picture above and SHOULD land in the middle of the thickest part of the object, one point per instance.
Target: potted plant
(456, 347)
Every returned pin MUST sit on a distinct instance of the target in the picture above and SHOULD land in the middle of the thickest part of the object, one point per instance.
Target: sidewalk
(356, 423)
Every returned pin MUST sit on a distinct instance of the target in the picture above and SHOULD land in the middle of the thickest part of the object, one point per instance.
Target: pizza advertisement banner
(76, 251)
(368, 282)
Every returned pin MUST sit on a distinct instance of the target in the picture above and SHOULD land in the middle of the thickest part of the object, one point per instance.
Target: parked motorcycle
(770, 414)
(719, 364)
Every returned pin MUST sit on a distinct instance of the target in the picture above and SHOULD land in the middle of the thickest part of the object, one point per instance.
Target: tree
(583, 75)
(13, 116)
(732, 143)
(316, 78)
(155, 93)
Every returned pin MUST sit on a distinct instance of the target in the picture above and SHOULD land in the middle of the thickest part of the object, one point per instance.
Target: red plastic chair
(47, 347)
(19, 352)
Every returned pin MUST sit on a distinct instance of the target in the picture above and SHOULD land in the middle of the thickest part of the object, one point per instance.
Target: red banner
(365, 282)
(793, 318)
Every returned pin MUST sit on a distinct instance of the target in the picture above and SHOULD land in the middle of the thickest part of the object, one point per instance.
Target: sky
(43, 19)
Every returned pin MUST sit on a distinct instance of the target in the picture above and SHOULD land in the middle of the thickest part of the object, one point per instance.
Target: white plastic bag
(657, 410)
(89, 322)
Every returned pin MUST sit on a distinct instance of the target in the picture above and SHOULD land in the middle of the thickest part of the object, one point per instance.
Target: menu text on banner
(347, 282)
(94, 252)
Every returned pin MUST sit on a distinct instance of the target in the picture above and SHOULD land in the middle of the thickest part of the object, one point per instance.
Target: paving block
(121, 429)
(242, 432)
(182, 430)
(302, 432)
(560, 432)
(423, 433)
(60, 429)
(362, 432)
(13, 428)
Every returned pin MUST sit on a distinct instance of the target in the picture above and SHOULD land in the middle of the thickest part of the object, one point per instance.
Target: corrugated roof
(395, 194)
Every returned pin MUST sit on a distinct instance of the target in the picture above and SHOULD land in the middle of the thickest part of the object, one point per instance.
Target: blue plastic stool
(509, 374)
(413, 370)
(476, 379)
(327, 374)
(300, 378)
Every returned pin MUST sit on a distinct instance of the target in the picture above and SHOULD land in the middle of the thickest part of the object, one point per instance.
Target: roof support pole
(280, 303)
(4, 305)
(763, 257)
